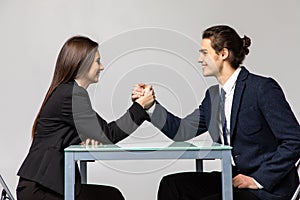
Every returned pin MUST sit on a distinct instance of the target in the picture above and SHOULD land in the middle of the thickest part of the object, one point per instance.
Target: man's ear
(225, 53)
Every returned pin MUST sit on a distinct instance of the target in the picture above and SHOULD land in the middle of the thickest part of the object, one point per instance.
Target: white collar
(230, 83)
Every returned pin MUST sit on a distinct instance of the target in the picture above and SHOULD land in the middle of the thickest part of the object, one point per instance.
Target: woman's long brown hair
(73, 53)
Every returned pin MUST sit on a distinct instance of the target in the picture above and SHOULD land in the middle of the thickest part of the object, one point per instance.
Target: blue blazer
(265, 134)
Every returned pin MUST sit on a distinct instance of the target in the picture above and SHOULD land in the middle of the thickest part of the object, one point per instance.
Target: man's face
(210, 60)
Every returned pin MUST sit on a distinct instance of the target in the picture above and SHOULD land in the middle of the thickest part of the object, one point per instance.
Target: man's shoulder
(259, 82)
(260, 79)
(253, 77)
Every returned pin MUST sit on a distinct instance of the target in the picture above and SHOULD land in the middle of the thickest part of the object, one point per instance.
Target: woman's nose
(101, 67)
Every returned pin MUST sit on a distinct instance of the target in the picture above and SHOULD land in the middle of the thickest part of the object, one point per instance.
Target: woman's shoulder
(60, 97)
(69, 90)
(65, 86)
(62, 92)
(64, 89)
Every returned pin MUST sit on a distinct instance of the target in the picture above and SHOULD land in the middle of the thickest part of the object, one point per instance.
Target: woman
(66, 118)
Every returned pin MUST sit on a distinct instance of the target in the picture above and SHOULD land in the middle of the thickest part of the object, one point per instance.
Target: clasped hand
(143, 94)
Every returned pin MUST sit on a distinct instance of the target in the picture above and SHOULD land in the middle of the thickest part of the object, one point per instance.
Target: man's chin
(206, 74)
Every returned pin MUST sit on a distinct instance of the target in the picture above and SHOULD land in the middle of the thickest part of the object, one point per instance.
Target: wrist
(141, 103)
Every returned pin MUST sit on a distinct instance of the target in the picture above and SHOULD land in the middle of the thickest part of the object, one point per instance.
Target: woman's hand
(144, 95)
(138, 91)
(92, 142)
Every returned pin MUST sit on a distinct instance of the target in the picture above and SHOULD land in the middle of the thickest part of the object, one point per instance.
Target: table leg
(199, 165)
(69, 176)
(226, 176)
(83, 171)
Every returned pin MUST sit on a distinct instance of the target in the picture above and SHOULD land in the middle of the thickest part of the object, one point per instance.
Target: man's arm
(286, 130)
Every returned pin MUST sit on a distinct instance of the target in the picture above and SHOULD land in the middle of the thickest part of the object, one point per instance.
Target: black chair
(5, 194)
(296, 195)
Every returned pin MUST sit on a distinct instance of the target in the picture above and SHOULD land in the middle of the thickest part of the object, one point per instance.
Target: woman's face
(93, 74)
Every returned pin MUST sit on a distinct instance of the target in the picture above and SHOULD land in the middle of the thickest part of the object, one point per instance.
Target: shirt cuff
(257, 184)
(151, 109)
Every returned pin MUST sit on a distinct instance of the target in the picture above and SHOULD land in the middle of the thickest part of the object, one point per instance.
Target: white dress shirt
(228, 87)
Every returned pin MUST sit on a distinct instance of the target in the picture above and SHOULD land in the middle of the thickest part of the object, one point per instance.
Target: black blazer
(265, 134)
(66, 119)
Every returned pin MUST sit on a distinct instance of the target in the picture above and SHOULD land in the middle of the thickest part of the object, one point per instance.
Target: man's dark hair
(223, 36)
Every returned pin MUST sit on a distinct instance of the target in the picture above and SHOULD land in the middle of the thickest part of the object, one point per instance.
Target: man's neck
(225, 74)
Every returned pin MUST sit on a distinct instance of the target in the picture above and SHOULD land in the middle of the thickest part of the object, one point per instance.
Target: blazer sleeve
(176, 128)
(286, 130)
(90, 125)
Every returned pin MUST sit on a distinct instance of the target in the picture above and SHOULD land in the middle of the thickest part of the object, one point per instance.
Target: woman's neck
(82, 83)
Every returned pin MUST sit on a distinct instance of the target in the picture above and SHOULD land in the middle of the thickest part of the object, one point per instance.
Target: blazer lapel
(239, 89)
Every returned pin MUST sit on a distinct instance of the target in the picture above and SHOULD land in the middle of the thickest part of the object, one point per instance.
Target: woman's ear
(225, 53)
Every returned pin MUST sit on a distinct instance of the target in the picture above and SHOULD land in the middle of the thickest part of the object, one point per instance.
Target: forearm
(174, 127)
(126, 124)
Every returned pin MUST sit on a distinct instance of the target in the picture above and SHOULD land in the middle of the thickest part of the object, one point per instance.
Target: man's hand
(138, 91)
(143, 95)
(242, 181)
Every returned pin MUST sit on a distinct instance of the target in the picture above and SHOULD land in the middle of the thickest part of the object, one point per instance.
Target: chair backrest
(5, 194)
(298, 168)
(296, 195)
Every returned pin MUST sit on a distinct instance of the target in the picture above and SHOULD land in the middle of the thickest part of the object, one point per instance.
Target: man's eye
(203, 52)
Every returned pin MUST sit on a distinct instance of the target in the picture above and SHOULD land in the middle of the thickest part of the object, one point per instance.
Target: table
(200, 150)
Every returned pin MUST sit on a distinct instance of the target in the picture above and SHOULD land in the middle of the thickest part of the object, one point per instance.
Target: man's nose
(200, 59)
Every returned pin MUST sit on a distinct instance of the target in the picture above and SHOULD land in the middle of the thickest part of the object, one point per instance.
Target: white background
(32, 33)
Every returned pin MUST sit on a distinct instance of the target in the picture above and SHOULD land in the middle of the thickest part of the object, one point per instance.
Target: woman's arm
(90, 125)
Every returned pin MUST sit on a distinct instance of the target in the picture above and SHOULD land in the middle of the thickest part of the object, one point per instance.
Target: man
(246, 111)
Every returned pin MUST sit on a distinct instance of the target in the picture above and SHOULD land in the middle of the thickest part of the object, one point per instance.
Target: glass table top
(151, 146)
